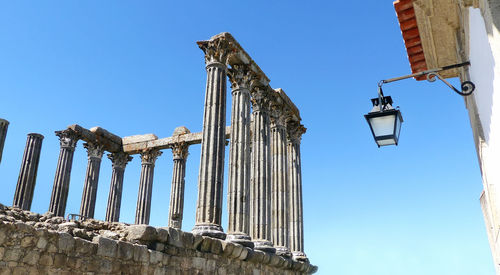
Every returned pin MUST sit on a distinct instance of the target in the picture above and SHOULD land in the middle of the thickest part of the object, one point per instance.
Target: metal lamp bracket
(467, 87)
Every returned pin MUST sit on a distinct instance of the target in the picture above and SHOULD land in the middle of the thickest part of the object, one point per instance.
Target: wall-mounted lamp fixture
(385, 121)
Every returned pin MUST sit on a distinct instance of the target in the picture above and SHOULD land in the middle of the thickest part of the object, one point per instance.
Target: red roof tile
(409, 30)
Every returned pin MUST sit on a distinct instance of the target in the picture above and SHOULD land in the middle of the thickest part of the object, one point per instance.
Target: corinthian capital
(94, 150)
(149, 156)
(295, 130)
(180, 150)
(217, 50)
(260, 99)
(279, 115)
(240, 76)
(68, 138)
(120, 159)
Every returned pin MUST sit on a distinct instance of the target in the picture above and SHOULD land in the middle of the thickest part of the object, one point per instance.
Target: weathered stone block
(141, 253)
(31, 257)
(155, 257)
(60, 260)
(106, 247)
(66, 242)
(187, 239)
(141, 232)
(28, 241)
(46, 259)
(13, 254)
(175, 237)
(162, 234)
(125, 250)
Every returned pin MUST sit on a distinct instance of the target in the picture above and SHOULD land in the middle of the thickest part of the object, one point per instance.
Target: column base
(240, 238)
(210, 230)
(283, 251)
(300, 256)
(265, 246)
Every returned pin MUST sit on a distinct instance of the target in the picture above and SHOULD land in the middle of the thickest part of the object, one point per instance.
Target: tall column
(4, 125)
(211, 176)
(279, 198)
(68, 139)
(260, 190)
(296, 219)
(27, 176)
(119, 161)
(238, 195)
(94, 152)
(175, 213)
(143, 209)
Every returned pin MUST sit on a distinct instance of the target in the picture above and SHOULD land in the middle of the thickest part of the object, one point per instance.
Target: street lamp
(385, 121)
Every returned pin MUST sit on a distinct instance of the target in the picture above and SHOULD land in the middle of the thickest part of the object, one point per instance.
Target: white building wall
(484, 55)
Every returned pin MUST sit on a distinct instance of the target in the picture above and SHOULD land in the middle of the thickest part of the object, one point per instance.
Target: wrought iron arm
(467, 87)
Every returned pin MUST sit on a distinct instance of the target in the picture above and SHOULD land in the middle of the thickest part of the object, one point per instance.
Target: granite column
(211, 175)
(4, 125)
(279, 199)
(119, 160)
(260, 190)
(238, 195)
(27, 176)
(94, 152)
(180, 154)
(143, 209)
(295, 131)
(68, 139)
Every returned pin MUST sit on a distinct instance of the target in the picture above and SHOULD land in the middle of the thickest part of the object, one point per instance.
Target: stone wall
(31, 243)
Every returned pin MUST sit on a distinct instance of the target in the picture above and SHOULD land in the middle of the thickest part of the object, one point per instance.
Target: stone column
(260, 190)
(296, 219)
(94, 152)
(175, 213)
(238, 195)
(211, 176)
(27, 176)
(4, 124)
(279, 198)
(68, 139)
(119, 161)
(143, 209)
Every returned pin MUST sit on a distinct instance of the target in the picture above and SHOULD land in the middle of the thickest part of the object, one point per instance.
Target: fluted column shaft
(295, 181)
(176, 209)
(260, 190)
(143, 209)
(238, 195)
(210, 184)
(94, 152)
(119, 161)
(27, 176)
(68, 139)
(279, 199)
(4, 125)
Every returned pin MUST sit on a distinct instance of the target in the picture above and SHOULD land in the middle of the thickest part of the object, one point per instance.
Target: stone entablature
(31, 243)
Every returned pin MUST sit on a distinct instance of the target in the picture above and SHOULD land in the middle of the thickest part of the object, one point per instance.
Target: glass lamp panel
(384, 142)
(398, 127)
(383, 125)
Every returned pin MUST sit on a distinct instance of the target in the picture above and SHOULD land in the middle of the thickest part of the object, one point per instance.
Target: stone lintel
(97, 135)
(288, 102)
(164, 143)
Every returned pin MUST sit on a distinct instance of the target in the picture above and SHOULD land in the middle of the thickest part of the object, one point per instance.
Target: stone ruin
(264, 198)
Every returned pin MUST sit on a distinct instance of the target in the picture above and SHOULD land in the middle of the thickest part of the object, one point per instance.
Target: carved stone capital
(68, 138)
(260, 99)
(94, 150)
(150, 156)
(240, 76)
(217, 50)
(180, 150)
(120, 159)
(279, 115)
(295, 130)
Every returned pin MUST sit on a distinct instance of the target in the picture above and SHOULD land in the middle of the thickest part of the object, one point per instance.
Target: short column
(94, 152)
(119, 160)
(279, 198)
(238, 195)
(260, 190)
(211, 175)
(27, 176)
(4, 125)
(143, 209)
(68, 139)
(295, 132)
(175, 213)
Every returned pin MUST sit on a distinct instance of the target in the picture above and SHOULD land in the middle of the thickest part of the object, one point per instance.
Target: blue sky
(134, 68)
